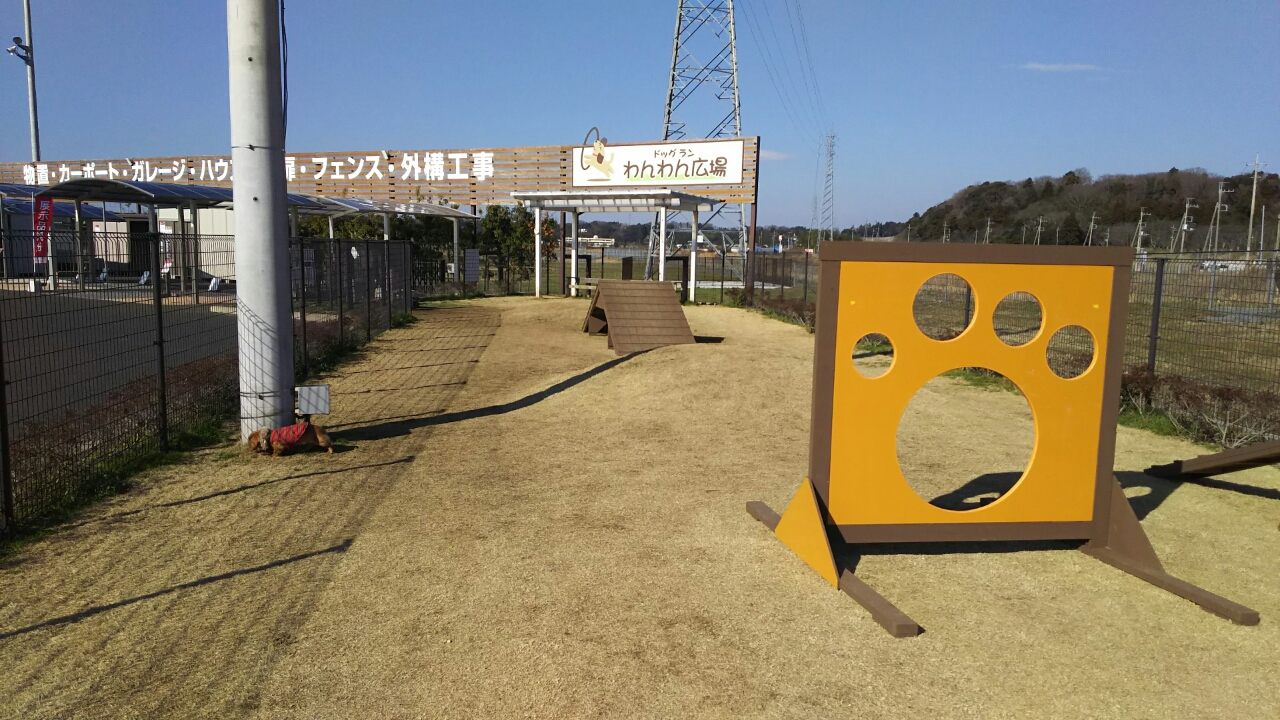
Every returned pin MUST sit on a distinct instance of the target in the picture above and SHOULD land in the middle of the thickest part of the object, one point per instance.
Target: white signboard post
(710, 162)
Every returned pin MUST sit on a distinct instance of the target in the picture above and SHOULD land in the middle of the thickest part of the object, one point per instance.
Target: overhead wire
(775, 76)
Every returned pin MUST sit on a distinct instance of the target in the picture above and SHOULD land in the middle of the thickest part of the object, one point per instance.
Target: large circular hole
(943, 307)
(872, 355)
(1070, 352)
(1017, 318)
(965, 439)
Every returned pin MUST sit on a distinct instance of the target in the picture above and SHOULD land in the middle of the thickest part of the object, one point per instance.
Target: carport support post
(662, 245)
(264, 316)
(693, 259)
(537, 252)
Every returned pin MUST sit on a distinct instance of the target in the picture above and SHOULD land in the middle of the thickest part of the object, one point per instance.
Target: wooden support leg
(802, 529)
(1127, 548)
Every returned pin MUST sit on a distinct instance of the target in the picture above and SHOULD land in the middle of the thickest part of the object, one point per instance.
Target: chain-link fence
(104, 366)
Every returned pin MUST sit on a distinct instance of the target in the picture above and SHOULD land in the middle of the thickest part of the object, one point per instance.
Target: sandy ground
(523, 525)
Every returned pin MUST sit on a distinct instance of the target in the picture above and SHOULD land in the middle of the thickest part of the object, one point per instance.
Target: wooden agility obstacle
(1227, 461)
(855, 486)
(637, 315)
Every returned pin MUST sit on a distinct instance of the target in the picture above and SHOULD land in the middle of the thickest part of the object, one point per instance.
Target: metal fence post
(335, 252)
(723, 254)
(386, 291)
(161, 391)
(6, 472)
(302, 299)
(806, 277)
(368, 294)
(1156, 296)
(968, 304)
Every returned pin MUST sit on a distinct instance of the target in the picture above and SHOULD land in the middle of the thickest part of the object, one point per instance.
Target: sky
(924, 98)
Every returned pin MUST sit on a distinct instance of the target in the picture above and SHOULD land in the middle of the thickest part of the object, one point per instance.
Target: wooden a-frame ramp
(637, 315)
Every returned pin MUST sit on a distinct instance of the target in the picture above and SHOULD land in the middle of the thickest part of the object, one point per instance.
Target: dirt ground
(522, 524)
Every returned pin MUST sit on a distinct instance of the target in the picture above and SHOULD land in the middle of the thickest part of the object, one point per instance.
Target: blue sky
(924, 98)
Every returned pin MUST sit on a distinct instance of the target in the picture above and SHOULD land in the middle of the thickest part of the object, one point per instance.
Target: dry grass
(585, 553)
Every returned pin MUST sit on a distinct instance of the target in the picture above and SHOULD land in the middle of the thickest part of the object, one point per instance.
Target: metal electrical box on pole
(264, 314)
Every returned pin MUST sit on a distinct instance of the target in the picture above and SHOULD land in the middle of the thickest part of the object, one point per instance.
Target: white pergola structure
(577, 202)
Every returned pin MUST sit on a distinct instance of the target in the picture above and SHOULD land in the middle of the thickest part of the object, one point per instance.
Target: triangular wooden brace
(1125, 536)
(802, 529)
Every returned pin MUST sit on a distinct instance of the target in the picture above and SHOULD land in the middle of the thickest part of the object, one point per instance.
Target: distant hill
(1067, 203)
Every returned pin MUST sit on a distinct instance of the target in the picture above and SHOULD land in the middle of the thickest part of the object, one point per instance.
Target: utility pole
(1093, 222)
(1248, 241)
(908, 232)
(987, 239)
(265, 317)
(1137, 234)
(1215, 223)
(1185, 226)
(946, 235)
(1039, 227)
(1024, 233)
(22, 51)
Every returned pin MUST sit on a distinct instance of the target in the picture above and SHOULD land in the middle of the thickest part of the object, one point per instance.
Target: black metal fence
(103, 366)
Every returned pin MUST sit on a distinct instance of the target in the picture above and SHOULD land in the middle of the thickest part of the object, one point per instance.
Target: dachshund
(292, 438)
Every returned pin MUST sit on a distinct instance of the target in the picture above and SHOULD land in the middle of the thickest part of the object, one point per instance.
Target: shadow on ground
(178, 599)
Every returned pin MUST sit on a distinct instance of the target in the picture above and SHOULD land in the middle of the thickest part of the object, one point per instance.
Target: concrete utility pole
(1248, 242)
(986, 240)
(22, 50)
(1093, 223)
(1185, 225)
(1138, 233)
(264, 314)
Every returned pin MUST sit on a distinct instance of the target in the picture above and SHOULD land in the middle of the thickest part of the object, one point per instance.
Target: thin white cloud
(773, 155)
(1059, 67)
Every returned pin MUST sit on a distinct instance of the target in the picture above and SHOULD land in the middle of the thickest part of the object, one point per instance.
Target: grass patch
(1153, 422)
(403, 319)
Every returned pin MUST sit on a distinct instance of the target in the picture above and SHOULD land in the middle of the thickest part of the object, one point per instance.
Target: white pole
(264, 314)
(331, 236)
(537, 252)
(693, 258)
(386, 227)
(457, 268)
(573, 258)
(662, 245)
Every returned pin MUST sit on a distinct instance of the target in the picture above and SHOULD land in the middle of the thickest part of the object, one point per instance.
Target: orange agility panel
(855, 485)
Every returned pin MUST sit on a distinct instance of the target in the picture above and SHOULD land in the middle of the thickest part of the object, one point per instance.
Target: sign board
(471, 266)
(42, 224)
(472, 176)
(313, 399)
(703, 162)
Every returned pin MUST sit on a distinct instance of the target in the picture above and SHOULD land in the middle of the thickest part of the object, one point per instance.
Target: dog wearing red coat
(298, 437)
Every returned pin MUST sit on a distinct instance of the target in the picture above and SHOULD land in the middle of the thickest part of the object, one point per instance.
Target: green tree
(1070, 232)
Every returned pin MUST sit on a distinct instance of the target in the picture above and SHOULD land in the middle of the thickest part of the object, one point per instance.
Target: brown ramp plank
(764, 514)
(1227, 461)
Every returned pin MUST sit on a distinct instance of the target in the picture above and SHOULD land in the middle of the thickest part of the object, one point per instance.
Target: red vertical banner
(43, 223)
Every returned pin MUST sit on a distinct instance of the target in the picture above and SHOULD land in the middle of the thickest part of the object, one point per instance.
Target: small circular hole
(872, 355)
(1017, 318)
(943, 307)
(1070, 352)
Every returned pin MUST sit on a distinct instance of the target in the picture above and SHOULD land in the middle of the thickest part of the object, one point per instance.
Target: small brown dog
(299, 437)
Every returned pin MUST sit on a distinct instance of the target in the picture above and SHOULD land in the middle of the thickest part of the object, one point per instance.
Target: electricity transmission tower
(828, 191)
(702, 101)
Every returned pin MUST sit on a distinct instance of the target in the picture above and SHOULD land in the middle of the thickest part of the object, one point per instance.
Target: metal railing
(129, 341)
